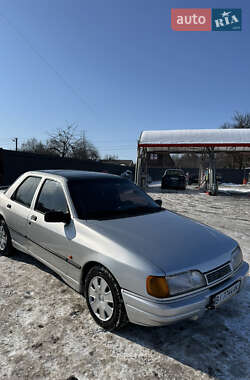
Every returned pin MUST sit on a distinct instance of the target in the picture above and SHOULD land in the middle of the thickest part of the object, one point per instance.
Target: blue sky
(115, 68)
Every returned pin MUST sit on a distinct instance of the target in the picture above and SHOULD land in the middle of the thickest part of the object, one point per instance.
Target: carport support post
(212, 183)
(202, 171)
(138, 167)
(144, 169)
(141, 168)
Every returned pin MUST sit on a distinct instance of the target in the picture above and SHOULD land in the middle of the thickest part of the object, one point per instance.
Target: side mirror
(159, 202)
(57, 217)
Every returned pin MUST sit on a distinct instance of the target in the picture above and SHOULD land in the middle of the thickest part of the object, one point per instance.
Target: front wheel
(5, 239)
(104, 299)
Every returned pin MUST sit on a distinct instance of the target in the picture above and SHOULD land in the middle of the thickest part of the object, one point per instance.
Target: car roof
(76, 174)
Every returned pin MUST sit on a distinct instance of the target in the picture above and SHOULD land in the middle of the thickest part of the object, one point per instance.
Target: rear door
(51, 241)
(18, 209)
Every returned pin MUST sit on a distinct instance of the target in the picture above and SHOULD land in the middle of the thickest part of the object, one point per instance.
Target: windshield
(108, 198)
(174, 172)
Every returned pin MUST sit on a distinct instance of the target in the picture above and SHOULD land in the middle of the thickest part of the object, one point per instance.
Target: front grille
(218, 273)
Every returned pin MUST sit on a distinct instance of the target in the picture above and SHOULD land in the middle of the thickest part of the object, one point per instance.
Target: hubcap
(100, 298)
(3, 238)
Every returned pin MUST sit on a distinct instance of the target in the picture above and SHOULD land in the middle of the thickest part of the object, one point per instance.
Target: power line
(59, 75)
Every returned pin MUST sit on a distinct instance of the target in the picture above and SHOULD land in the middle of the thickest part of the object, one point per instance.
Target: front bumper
(148, 312)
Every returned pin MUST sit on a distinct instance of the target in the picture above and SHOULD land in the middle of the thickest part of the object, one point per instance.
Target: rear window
(25, 192)
(174, 172)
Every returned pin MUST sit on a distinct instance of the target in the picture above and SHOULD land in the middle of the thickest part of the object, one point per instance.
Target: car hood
(170, 241)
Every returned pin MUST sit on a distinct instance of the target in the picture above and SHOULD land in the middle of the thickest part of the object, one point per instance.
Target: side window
(25, 192)
(51, 198)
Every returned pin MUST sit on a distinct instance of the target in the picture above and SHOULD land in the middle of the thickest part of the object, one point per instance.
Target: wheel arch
(1, 216)
(86, 268)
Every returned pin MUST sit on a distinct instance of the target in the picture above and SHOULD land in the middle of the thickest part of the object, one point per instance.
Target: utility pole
(83, 135)
(15, 140)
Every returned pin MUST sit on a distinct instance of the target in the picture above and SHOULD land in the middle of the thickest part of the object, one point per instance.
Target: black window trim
(38, 195)
(15, 191)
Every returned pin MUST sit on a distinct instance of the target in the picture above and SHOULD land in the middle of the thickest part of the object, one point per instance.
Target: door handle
(8, 205)
(33, 217)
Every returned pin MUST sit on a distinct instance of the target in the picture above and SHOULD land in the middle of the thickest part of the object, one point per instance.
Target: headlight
(185, 282)
(237, 258)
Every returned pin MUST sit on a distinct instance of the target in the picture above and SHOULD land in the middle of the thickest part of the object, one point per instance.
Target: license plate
(226, 294)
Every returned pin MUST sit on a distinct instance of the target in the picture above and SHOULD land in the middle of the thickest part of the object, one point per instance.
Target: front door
(50, 242)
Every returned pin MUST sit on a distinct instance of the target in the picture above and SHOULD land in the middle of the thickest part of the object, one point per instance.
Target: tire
(6, 248)
(104, 299)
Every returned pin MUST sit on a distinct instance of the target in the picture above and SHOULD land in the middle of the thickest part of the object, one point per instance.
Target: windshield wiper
(112, 214)
(122, 213)
(146, 209)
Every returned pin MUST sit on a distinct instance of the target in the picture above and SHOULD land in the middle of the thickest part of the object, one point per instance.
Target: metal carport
(203, 141)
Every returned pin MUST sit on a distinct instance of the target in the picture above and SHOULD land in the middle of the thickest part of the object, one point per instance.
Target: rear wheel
(104, 299)
(6, 248)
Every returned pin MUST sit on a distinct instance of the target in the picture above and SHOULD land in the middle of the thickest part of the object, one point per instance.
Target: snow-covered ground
(234, 188)
(47, 333)
(228, 187)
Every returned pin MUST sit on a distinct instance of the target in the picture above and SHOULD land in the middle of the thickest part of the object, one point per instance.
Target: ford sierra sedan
(132, 259)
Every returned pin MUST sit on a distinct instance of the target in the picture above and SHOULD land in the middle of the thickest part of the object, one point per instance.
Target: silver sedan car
(132, 260)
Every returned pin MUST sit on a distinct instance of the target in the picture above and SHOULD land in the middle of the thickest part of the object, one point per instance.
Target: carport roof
(196, 140)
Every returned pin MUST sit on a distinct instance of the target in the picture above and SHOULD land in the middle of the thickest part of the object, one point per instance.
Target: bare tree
(110, 157)
(35, 146)
(237, 159)
(241, 120)
(226, 126)
(93, 152)
(84, 150)
(62, 141)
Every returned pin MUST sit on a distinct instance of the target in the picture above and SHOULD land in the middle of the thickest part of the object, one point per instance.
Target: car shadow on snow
(27, 259)
(234, 193)
(217, 344)
(159, 190)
